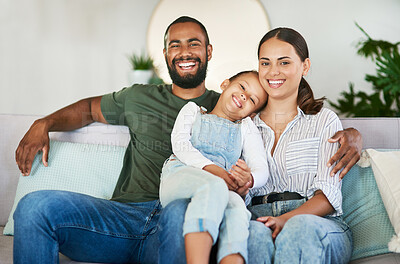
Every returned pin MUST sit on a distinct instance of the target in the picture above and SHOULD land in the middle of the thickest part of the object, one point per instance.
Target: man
(124, 229)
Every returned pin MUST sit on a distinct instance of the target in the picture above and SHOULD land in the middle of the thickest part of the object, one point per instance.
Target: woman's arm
(317, 205)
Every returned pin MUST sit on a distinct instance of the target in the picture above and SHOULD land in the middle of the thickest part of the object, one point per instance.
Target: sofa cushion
(364, 212)
(84, 168)
(386, 168)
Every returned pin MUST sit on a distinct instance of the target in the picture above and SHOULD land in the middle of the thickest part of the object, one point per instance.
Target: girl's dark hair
(241, 73)
(305, 96)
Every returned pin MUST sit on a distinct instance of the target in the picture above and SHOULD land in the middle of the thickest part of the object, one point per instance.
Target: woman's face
(280, 69)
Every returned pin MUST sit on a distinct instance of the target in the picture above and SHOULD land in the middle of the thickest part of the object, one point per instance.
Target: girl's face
(280, 69)
(242, 96)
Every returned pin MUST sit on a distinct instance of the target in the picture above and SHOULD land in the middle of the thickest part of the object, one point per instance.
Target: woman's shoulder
(327, 117)
(324, 117)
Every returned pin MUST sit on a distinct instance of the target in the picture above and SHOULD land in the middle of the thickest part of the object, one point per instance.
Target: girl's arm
(254, 155)
(186, 152)
(181, 134)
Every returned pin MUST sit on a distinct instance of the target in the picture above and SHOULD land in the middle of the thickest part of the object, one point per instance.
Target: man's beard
(188, 81)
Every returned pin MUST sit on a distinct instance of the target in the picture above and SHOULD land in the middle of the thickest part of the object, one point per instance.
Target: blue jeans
(306, 238)
(85, 229)
(172, 245)
(212, 208)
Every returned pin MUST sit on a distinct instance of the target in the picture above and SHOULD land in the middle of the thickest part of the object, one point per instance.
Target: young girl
(207, 145)
(302, 204)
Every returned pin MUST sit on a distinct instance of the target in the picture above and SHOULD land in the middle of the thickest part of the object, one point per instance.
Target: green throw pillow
(84, 168)
(364, 212)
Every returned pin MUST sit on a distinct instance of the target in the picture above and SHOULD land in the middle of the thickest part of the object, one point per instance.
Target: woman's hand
(349, 153)
(241, 173)
(275, 223)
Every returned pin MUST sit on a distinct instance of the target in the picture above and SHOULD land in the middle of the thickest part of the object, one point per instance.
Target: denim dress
(213, 208)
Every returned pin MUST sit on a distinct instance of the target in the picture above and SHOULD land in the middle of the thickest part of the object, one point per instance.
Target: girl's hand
(275, 223)
(241, 173)
(220, 172)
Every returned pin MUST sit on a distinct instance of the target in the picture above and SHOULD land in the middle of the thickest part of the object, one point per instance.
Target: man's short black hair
(185, 19)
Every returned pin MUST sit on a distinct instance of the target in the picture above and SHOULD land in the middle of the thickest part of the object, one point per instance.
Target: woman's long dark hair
(305, 96)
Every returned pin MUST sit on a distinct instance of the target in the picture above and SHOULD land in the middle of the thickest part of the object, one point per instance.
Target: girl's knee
(260, 244)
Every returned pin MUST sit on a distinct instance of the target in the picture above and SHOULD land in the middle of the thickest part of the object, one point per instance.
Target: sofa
(378, 133)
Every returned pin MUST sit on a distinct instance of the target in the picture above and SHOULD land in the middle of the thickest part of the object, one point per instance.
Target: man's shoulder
(214, 94)
(148, 88)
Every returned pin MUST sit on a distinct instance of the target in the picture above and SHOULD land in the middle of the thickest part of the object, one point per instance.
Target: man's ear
(164, 52)
(225, 84)
(209, 52)
(253, 115)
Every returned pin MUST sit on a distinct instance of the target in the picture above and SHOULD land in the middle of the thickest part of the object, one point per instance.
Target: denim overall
(213, 208)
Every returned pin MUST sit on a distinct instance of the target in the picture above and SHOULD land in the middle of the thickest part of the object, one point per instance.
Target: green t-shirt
(150, 112)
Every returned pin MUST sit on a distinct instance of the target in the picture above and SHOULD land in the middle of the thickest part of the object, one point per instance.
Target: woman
(301, 204)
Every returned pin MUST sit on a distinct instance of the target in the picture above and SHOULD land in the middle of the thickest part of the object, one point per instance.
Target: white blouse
(298, 163)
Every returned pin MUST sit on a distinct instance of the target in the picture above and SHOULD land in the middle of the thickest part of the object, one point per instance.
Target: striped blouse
(299, 160)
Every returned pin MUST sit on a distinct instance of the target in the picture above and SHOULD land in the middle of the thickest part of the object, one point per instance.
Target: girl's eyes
(252, 100)
(244, 89)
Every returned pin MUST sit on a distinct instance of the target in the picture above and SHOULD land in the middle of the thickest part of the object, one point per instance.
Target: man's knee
(39, 205)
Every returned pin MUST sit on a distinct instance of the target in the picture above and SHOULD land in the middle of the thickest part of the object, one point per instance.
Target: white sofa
(379, 133)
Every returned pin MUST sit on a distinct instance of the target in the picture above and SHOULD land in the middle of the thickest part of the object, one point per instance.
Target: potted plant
(385, 99)
(141, 68)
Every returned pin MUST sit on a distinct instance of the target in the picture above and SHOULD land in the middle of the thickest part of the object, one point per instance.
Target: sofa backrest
(376, 132)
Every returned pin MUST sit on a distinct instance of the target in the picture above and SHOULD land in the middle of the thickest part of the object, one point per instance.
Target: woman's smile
(275, 83)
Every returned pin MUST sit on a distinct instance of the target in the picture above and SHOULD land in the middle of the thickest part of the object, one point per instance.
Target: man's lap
(92, 229)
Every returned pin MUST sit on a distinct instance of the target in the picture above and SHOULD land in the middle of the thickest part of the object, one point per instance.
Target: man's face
(187, 54)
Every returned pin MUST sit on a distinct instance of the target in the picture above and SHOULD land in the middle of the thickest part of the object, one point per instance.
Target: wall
(54, 52)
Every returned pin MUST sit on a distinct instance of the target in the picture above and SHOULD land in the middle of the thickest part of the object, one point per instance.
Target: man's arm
(74, 116)
(349, 153)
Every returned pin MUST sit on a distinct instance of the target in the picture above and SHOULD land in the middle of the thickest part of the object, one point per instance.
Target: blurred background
(55, 52)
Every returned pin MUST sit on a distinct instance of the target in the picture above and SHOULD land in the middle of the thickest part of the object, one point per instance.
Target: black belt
(274, 197)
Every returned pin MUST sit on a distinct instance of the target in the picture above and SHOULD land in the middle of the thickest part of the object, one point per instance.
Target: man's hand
(349, 153)
(35, 140)
(241, 173)
(220, 172)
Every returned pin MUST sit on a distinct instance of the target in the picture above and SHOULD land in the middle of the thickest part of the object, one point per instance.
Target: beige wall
(54, 52)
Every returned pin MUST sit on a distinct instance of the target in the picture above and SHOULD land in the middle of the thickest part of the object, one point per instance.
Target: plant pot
(139, 76)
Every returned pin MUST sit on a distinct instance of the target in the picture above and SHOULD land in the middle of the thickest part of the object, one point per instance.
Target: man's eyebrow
(174, 41)
(194, 39)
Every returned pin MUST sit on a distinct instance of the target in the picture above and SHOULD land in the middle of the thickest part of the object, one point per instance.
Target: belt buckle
(265, 198)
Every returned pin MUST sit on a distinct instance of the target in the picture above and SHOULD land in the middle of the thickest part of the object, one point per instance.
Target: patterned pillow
(364, 212)
(83, 168)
